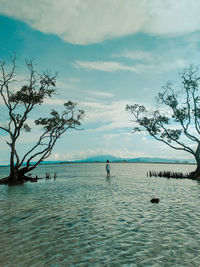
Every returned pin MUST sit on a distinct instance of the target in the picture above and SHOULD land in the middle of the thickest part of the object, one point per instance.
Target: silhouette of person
(108, 168)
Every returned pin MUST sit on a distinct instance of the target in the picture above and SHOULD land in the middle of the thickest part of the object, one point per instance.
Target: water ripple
(84, 219)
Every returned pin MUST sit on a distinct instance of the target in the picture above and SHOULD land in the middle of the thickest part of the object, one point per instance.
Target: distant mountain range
(103, 158)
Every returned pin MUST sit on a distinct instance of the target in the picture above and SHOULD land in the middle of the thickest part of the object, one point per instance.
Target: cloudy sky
(107, 53)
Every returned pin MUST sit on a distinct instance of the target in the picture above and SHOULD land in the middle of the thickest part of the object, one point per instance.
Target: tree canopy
(19, 103)
(176, 122)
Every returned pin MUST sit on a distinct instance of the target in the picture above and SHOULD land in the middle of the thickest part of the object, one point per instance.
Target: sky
(107, 54)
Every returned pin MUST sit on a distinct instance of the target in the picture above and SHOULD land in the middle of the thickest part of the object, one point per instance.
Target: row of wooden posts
(48, 176)
(168, 174)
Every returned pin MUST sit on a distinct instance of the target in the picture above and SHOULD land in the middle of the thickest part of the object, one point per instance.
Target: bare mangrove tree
(17, 104)
(177, 122)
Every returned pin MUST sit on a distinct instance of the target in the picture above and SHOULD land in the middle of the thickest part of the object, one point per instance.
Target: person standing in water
(108, 168)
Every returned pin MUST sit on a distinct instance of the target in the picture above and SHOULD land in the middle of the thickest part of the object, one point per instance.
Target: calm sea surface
(84, 219)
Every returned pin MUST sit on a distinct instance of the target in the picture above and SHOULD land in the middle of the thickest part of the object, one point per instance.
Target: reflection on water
(86, 219)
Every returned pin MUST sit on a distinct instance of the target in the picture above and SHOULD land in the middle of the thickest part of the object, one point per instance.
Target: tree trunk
(196, 174)
(17, 176)
(12, 165)
(13, 177)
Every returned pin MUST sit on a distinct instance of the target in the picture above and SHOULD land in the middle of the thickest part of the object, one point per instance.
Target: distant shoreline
(86, 162)
(181, 163)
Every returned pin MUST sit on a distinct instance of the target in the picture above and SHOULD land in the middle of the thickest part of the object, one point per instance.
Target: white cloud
(138, 55)
(53, 102)
(113, 114)
(157, 61)
(123, 136)
(146, 63)
(89, 21)
(100, 94)
(158, 65)
(108, 66)
(94, 105)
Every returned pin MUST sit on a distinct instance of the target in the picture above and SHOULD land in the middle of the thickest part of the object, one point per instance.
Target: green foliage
(178, 116)
(171, 135)
(27, 128)
(59, 122)
(20, 103)
(33, 95)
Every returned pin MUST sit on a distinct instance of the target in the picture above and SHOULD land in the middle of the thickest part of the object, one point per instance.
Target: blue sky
(107, 54)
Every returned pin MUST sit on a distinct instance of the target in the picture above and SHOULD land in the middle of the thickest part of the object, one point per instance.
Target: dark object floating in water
(155, 200)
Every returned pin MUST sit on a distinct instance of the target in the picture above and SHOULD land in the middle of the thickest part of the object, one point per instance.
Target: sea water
(83, 218)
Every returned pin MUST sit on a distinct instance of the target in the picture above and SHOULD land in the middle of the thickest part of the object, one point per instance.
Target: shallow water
(84, 219)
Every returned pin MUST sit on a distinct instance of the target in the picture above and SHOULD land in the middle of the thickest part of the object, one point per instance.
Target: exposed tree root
(20, 180)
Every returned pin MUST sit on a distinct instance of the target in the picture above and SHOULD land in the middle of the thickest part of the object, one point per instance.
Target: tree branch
(177, 148)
